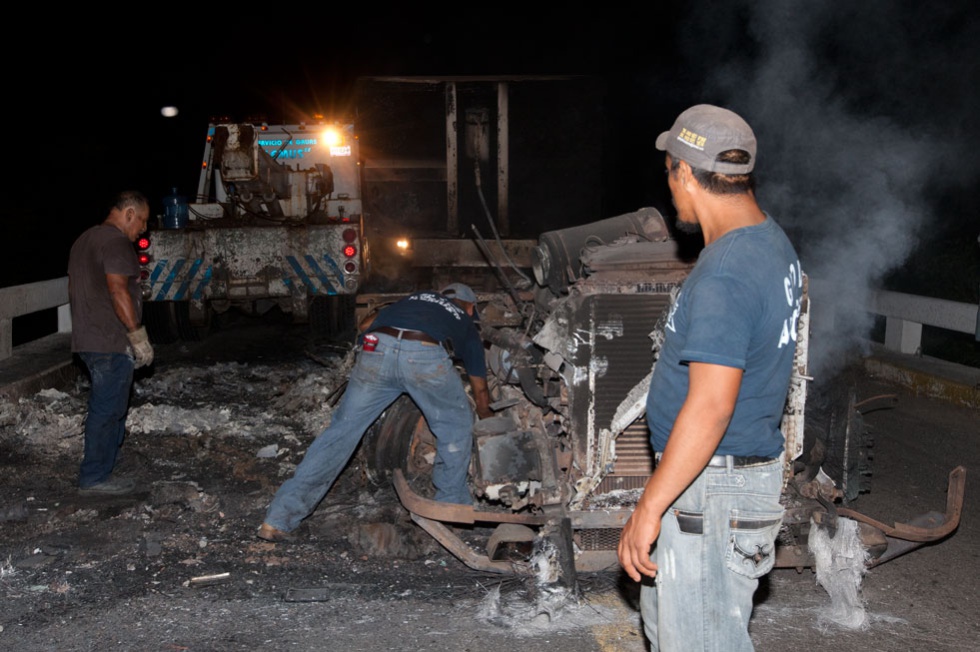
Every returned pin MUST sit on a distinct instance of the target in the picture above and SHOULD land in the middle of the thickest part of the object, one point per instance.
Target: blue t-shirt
(739, 308)
(441, 319)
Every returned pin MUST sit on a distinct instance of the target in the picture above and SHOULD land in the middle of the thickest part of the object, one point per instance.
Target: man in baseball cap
(459, 291)
(711, 511)
(703, 132)
(405, 348)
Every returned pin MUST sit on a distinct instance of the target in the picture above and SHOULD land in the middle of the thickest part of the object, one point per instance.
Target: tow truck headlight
(332, 137)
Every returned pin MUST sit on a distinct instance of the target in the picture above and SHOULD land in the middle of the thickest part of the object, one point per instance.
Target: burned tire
(401, 439)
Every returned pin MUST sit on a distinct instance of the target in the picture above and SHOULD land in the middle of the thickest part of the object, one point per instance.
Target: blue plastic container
(175, 212)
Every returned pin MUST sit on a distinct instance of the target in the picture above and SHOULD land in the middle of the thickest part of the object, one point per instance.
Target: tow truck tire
(169, 321)
(332, 317)
(192, 327)
(160, 322)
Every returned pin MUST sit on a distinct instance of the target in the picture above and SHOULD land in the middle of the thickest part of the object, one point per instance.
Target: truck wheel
(332, 317)
(160, 322)
(192, 325)
(400, 439)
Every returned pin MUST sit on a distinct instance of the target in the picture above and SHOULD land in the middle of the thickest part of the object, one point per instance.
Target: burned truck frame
(558, 469)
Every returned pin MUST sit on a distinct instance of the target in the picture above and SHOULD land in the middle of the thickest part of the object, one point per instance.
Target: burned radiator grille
(603, 539)
(620, 354)
(634, 461)
(633, 453)
(633, 467)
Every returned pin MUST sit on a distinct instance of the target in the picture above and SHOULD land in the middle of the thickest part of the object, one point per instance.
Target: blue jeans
(105, 423)
(716, 541)
(423, 371)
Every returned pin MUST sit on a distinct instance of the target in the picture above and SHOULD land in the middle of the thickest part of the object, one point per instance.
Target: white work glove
(142, 350)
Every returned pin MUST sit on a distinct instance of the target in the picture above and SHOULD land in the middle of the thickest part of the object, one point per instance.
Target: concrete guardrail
(905, 314)
(20, 300)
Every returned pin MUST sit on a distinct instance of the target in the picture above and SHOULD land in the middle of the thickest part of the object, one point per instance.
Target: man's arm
(700, 425)
(122, 302)
(481, 395)
(367, 321)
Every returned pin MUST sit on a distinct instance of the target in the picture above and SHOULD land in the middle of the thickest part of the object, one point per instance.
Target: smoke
(866, 114)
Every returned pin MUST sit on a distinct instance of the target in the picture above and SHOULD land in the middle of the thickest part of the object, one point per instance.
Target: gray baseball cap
(704, 131)
(459, 291)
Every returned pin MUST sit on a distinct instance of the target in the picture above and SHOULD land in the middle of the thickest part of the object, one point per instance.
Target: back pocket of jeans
(752, 542)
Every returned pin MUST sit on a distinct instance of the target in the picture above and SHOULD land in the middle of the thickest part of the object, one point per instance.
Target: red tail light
(350, 251)
(143, 243)
(144, 258)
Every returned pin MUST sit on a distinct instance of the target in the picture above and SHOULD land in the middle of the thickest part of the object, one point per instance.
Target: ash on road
(216, 427)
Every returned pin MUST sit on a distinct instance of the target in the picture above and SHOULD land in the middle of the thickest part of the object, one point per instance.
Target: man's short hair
(130, 199)
(722, 184)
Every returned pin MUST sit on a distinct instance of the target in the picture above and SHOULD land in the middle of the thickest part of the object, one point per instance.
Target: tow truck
(277, 221)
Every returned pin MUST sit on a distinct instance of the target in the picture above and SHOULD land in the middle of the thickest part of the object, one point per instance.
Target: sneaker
(110, 487)
(269, 533)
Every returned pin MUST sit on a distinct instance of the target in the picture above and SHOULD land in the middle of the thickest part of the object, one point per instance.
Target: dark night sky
(867, 113)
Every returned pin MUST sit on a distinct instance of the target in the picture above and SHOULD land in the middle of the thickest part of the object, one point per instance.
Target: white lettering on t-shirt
(792, 284)
(451, 307)
(673, 309)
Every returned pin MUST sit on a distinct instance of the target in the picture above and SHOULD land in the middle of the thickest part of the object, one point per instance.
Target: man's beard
(687, 227)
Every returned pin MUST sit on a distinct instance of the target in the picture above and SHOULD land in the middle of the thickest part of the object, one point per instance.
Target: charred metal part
(874, 542)
(795, 556)
(827, 519)
(555, 260)
(928, 531)
(452, 513)
(463, 552)
(819, 490)
(514, 360)
(511, 536)
(555, 551)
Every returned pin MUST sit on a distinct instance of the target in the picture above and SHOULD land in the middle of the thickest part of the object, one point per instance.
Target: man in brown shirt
(106, 310)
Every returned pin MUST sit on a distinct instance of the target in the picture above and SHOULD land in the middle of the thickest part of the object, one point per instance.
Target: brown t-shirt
(100, 250)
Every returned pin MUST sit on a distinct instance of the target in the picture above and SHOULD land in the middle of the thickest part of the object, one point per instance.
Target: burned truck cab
(556, 472)
(567, 451)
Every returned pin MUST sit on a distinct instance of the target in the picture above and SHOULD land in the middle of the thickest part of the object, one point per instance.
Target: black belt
(403, 334)
(738, 461)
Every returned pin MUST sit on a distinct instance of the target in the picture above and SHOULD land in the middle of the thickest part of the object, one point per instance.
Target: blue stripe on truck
(169, 289)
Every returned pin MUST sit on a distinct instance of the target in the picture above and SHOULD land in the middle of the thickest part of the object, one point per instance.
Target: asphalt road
(924, 600)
